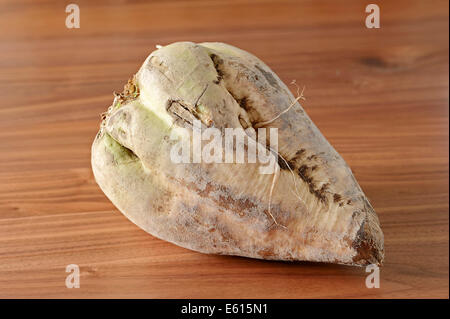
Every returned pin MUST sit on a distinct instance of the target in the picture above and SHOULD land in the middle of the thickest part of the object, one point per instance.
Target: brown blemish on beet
(217, 62)
(297, 157)
(300, 152)
(337, 198)
(266, 253)
(320, 193)
(367, 253)
(269, 77)
(241, 206)
(243, 102)
(184, 114)
(129, 93)
(283, 164)
(303, 173)
(291, 164)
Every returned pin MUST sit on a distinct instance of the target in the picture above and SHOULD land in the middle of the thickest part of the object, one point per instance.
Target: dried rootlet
(310, 208)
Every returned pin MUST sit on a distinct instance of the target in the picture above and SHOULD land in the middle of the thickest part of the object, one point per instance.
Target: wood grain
(379, 95)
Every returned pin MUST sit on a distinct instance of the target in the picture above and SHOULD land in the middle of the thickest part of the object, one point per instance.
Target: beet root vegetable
(310, 208)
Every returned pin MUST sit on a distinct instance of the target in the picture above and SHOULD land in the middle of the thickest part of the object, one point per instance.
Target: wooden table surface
(379, 95)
